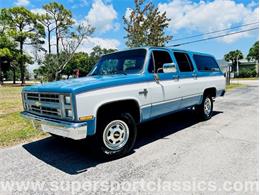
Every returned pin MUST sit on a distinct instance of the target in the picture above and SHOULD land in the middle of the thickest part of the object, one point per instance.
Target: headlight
(68, 113)
(67, 100)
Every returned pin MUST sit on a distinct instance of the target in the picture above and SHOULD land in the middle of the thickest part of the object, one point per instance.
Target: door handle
(144, 92)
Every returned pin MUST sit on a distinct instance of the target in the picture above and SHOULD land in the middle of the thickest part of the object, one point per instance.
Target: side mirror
(169, 68)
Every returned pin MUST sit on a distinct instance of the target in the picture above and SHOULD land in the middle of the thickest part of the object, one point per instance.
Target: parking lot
(173, 148)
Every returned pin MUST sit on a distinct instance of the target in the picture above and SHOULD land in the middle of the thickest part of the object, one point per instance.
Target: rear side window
(206, 63)
(183, 61)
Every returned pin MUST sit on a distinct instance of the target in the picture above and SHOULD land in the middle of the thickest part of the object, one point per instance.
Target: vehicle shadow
(74, 157)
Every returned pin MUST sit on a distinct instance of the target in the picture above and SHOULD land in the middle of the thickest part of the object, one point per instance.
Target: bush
(247, 73)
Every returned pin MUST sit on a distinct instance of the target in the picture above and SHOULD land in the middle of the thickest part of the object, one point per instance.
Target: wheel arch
(210, 91)
(130, 105)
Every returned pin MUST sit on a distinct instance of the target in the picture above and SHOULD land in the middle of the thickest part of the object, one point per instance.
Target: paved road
(176, 148)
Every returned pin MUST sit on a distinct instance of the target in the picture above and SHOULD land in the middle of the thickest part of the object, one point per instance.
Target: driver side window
(157, 59)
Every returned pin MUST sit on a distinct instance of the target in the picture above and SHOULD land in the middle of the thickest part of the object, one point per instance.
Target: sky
(188, 17)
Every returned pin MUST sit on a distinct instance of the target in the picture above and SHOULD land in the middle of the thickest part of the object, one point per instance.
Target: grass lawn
(234, 86)
(250, 78)
(13, 128)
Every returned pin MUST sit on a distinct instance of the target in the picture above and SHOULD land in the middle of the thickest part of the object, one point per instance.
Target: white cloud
(38, 11)
(22, 2)
(128, 12)
(206, 16)
(102, 16)
(91, 42)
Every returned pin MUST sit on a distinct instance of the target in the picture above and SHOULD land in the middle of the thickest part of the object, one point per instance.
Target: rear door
(189, 85)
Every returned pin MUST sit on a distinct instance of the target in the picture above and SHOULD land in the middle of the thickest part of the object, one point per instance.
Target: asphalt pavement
(177, 150)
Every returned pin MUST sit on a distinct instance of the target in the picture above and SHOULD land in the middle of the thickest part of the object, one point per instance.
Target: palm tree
(234, 57)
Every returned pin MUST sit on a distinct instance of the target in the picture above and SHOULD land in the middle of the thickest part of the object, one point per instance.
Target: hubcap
(116, 135)
(207, 106)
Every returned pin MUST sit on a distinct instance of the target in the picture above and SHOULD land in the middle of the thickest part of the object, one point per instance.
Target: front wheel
(205, 109)
(116, 135)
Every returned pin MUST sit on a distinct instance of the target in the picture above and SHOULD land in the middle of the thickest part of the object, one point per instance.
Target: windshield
(124, 62)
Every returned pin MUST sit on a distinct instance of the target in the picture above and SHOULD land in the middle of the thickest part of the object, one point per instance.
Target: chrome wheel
(116, 135)
(207, 106)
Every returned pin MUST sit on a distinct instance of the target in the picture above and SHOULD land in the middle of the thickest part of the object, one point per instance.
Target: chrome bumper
(71, 130)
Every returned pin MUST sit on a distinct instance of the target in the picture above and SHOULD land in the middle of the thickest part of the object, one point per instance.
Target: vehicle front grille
(46, 104)
(43, 97)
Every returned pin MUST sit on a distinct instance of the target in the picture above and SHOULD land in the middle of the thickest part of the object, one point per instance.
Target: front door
(164, 91)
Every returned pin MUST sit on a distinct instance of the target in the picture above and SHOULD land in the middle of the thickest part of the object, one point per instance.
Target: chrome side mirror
(169, 68)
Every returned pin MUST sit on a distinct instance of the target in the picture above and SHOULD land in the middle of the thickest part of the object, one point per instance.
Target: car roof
(168, 48)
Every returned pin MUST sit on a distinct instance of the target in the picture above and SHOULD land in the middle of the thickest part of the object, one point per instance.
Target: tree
(253, 54)
(146, 25)
(234, 57)
(70, 44)
(98, 52)
(8, 54)
(8, 51)
(61, 19)
(84, 62)
(47, 21)
(25, 30)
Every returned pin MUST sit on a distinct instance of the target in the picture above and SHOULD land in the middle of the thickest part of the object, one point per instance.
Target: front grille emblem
(38, 104)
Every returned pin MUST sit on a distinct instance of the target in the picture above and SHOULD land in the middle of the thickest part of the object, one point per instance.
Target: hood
(85, 84)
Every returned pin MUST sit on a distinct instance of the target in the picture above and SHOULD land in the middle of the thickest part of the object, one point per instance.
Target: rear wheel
(205, 109)
(116, 135)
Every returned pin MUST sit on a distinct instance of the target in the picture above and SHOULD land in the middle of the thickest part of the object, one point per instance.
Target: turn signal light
(86, 118)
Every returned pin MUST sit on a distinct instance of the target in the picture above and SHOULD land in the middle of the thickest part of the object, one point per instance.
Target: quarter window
(206, 63)
(183, 61)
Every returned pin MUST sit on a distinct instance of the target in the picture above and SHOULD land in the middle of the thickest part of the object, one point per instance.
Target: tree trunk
(22, 64)
(49, 39)
(57, 41)
(1, 74)
(14, 76)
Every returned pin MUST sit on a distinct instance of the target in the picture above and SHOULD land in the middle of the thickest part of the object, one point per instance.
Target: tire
(205, 109)
(116, 135)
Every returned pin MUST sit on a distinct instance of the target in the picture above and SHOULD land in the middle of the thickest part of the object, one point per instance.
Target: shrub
(247, 73)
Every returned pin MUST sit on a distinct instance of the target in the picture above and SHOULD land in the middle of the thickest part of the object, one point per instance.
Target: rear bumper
(67, 129)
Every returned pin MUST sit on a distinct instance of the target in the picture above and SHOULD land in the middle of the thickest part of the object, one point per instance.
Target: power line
(213, 32)
(215, 37)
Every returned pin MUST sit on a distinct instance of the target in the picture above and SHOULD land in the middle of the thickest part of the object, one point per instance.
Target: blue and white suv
(123, 89)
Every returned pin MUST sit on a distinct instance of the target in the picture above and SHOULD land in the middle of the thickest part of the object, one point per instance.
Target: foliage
(59, 18)
(80, 61)
(8, 54)
(247, 73)
(253, 53)
(146, 25)
(233, 57)
(70, 44)
(24, 28)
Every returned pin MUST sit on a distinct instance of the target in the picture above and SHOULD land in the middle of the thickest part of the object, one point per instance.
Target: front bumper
(67, 129)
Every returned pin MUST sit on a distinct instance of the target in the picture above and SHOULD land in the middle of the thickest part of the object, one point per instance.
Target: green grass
(250, 78)
(234, 86)
(13, 128)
